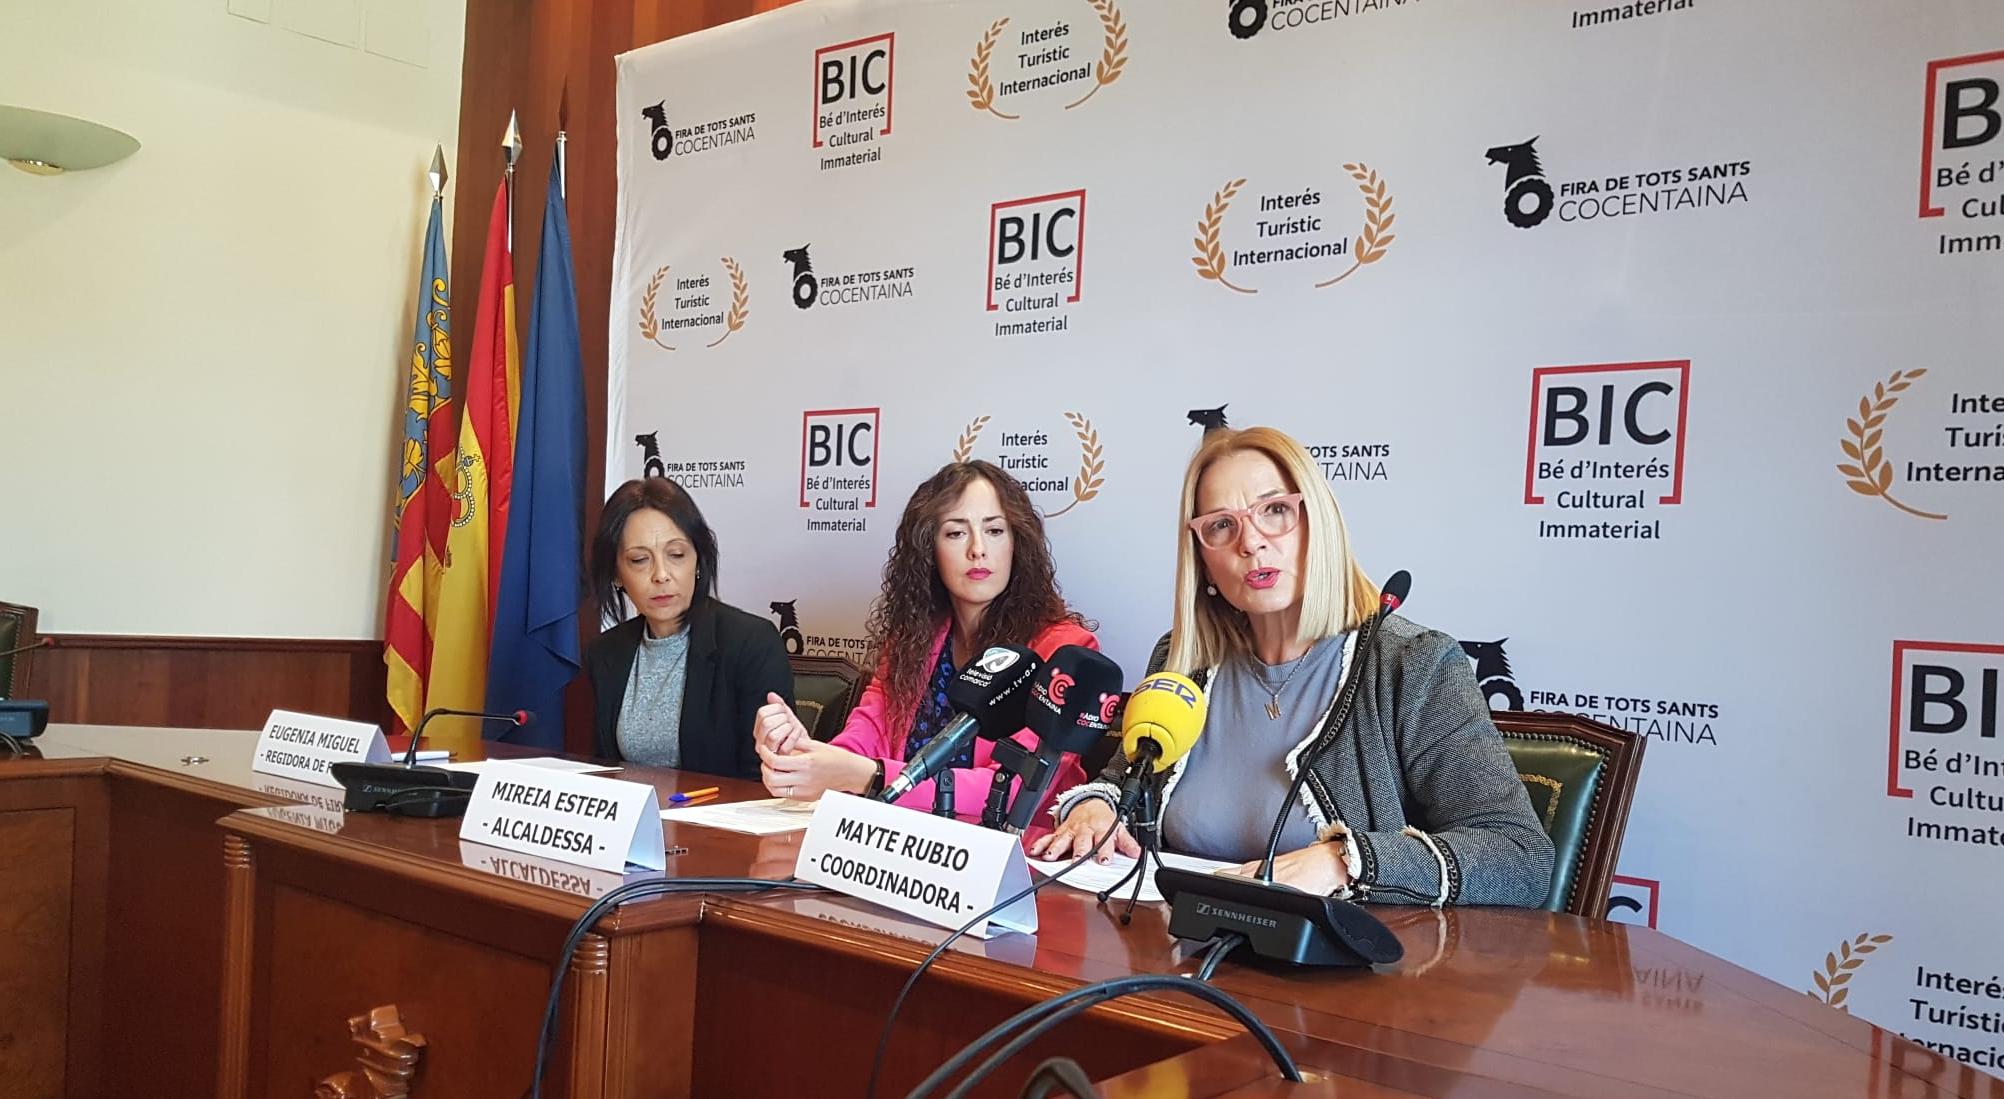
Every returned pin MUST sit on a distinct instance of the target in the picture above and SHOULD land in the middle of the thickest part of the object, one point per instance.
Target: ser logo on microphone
(1176, 687)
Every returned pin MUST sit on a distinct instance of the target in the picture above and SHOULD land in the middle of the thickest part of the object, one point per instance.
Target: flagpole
(563, 123)
(511, 149)
(438, 175)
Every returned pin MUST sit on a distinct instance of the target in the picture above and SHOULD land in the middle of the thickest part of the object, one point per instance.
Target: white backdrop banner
(1660, 341)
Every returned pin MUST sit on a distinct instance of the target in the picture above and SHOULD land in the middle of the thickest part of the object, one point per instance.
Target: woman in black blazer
(678, 685)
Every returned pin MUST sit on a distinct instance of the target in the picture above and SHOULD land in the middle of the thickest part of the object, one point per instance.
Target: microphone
(1393, 595)
(40, 643)
(1071, 706)
(987, 697)
(409, 790)
(1165, 716)
(1279, 921)
(519, 718)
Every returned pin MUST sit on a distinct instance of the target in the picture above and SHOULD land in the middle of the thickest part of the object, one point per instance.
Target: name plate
(939, 870)
(301, 746)
(586, 820)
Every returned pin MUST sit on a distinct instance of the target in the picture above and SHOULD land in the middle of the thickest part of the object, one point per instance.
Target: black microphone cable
(1222, 945)
(630, 891)
(897, 1005)
(1058, 1074)
(1038, 1019)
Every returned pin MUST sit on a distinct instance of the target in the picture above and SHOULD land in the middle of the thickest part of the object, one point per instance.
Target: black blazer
(734, 660)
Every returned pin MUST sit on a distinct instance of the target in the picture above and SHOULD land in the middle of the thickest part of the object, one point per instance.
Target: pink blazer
(873, 731)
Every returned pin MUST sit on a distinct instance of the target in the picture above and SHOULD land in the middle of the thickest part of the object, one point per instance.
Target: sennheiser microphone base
(405, 791)
(1278, 921)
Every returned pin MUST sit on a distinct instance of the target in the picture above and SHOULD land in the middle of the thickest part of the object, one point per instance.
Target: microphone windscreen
(1168, 709)
(993, 689)
(1073, 698)
(1396, 590)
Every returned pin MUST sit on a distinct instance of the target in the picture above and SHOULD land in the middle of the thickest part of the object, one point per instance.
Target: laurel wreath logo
(740, 301)
(1840, 967)
(1377, 237)
(650, 325)
(982, 93)
(1869, 473)
(1210, 257)
(1113, 54)
(963, 448)
(1092, 463)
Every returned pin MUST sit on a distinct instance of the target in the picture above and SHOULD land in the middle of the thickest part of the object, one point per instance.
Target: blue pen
(692, 795)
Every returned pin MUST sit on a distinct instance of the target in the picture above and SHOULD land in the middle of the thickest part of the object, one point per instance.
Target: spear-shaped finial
(511, 145)
(437, 174)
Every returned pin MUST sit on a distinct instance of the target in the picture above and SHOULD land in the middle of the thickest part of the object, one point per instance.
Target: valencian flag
(427, 414)
(536, 617)
(482, 473)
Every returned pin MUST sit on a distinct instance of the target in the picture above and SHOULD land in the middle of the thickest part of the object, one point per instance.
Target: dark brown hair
(661, 494)
(914, 603)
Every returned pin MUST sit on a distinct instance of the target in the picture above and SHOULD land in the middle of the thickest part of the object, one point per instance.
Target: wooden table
(149, 896)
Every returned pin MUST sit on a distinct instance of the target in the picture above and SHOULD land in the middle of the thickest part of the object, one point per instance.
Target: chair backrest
(17, 628)
(825, 689)
(1581, 776)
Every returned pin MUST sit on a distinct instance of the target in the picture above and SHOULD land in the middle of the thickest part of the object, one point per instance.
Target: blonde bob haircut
(1336, 594)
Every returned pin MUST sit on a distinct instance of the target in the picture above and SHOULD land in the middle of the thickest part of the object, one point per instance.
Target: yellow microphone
(1165, 716)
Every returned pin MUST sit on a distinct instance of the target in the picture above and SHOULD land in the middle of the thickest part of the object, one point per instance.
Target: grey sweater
(1417, 780)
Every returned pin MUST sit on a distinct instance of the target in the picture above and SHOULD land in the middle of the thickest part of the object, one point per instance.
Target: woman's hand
(1081, 829)
(814, 769)
(777, 728)
(1317, 868)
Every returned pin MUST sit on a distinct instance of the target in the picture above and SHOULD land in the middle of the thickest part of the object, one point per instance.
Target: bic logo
(1945, 716)
(1633, 900)
(1619, 422)
(1527, 198)
(1960, 152)
(838, 455)
(663, 140)
(852, 89)
(1037, 244)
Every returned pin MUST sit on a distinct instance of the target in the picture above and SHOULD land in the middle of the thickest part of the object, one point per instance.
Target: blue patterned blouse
(934, 710)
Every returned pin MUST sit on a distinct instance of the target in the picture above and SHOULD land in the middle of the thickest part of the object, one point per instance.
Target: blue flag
(535, 647)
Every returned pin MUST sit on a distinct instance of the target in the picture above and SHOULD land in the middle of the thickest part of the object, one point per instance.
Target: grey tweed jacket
(1417, 780)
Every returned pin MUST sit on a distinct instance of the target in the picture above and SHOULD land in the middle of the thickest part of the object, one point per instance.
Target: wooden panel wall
(525, 55)
(207, 682)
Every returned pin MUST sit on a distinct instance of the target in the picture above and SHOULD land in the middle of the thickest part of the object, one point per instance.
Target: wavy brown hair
(914, 603)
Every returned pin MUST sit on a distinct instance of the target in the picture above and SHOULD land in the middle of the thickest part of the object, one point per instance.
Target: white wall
(202, 347)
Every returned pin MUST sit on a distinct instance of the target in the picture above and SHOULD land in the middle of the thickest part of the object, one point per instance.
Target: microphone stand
(942, 793)
(1148, 834)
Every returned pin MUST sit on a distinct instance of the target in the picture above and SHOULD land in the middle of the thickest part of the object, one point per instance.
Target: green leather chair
(825, 689)
(17, 628)
(1581, 776)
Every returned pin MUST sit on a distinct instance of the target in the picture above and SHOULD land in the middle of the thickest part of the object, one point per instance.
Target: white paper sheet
(552, 763)
(764, 817)
(1094, 876)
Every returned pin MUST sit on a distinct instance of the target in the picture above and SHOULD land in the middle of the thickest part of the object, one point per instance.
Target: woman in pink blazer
(970, 568)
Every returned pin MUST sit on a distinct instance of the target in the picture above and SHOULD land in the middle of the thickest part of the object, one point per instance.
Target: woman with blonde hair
(1413, 799)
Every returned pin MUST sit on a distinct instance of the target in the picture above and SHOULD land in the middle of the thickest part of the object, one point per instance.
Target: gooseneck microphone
(405, 789)
(39, 643)
(518, 718)
(1165, 716)
(1071, 705)
(1394, 594)
(1280, 921)
(987, 694)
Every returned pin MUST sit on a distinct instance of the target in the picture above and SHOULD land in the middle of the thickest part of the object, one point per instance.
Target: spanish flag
(427, 412)
(483, 473)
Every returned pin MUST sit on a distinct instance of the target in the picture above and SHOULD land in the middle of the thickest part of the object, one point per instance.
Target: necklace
(1273, 692)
